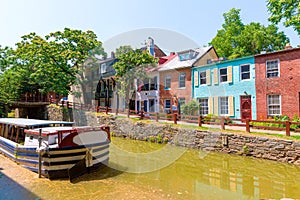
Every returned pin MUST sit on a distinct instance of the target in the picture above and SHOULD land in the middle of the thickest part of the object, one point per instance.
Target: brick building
(175, 76)
(278, 83)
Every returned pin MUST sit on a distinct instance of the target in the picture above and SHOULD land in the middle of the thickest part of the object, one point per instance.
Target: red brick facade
(181, 93)
(287, 85)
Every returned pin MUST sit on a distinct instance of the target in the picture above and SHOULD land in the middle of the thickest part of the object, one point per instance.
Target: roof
(162, 61)
(22, 122)
(176, 63)
(277, 52)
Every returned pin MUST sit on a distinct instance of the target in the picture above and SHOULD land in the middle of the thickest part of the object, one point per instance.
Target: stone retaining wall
(231, 143)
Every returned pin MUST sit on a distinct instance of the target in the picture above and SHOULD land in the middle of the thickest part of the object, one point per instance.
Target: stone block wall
(231, 143)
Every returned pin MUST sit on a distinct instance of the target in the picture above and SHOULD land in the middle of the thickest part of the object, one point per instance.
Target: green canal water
(143, 170)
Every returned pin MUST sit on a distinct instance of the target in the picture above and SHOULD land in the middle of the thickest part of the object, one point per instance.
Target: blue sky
(197, 20)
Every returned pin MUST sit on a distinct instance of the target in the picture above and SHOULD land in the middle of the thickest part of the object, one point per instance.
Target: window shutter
(231, 105)
(196, 78)
(210, 105)
(229, 74)
(216, 105)
(216, 80)
(208, 77)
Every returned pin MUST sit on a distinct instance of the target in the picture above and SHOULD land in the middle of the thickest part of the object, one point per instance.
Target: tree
(129, 67)
(238, 40)
(287, 11)
(50, 64)
(123, 49)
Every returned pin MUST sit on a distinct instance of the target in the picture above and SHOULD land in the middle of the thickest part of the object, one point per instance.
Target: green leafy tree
(237, 39)
(129, 67)
(287, 11)
(123, 49)
(50, 64)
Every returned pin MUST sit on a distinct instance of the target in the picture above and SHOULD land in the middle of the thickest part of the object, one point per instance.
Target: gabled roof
(177, 63)
(162, 61)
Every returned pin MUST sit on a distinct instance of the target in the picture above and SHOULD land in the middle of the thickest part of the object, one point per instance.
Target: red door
(246, 107)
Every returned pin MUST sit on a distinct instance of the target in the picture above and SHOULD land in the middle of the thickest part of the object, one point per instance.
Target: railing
(199, 120)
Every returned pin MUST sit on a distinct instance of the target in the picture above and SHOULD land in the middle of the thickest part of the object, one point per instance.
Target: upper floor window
(103, 68)
(274, 104)
(167, 81)
(223, 75)
(272, 67)
(245, 72)
(181, 80)
(202, 78)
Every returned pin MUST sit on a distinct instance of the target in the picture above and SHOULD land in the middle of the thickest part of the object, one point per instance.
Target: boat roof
(22, 122)
(54, 130)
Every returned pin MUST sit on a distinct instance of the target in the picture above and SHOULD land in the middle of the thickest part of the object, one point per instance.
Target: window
(203, 106)
(245, 72)
(202, 78)
(167, 106)
(103, 68)
(153, 83)
(274, 104)
(167, 103)
(272, 68)
(224, 105)
(167, 81)
(223, 75)
(181, 80)
(181, 101)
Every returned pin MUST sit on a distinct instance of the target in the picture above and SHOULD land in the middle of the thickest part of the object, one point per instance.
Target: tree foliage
(287, 11)
(123, 49)
(49, 64)
(130, 66)
(236, 39)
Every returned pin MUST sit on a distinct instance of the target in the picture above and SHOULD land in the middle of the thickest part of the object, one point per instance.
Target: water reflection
(192, 176)
(221, 176)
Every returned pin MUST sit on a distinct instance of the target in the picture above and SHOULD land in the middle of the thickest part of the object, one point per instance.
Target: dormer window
(187, 55)
(103, 68)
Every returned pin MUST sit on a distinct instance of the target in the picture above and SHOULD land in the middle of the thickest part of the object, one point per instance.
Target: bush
(191, 108)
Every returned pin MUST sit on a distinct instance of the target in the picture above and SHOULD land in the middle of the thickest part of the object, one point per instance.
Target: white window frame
(203, 78)
(224, 106)
(204, 109)
(223, 75)
(247, 72)
(272, 104)
(180, 81)
(271, 71)
(167, 77)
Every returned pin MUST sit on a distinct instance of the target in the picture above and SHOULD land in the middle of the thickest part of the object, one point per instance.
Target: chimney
(150, 45)
(172, 53)
(112, 54)
(287, 46)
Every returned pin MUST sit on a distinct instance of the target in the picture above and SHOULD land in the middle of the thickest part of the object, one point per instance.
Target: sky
(195, 20)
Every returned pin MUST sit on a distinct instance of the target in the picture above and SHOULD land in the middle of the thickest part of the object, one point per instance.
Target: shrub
(191, 108)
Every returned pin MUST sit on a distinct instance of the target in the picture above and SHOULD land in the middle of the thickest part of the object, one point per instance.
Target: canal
(144, 170)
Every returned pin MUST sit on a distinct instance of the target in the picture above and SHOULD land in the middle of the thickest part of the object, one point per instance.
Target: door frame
(241, 104)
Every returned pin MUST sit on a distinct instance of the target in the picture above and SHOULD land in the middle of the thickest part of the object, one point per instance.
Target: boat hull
(58, 162)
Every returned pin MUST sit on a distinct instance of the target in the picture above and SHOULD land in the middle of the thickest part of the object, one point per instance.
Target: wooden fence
(199, 120)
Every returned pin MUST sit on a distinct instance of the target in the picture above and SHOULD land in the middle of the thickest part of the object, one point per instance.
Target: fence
(286, 126)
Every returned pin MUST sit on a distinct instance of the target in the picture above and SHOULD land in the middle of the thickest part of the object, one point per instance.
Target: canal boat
(54, 149)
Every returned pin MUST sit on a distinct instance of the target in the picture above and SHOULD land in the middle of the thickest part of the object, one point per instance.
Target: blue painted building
(226, 88)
